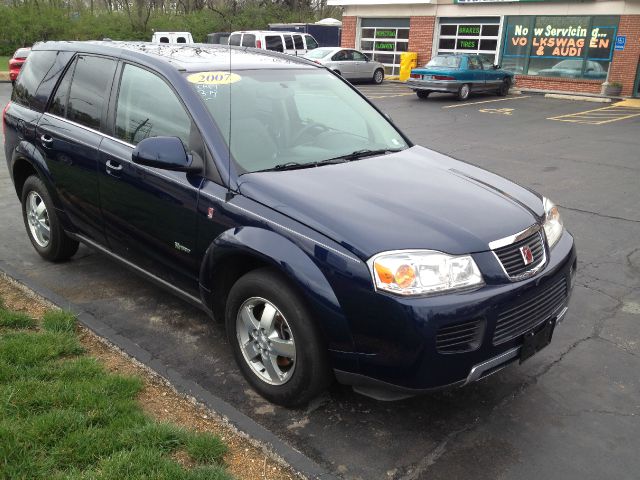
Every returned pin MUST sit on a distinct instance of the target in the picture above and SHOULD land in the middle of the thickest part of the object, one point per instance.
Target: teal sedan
(460, 75)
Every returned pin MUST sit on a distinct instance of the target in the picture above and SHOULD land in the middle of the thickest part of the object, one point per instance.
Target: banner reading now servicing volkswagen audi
(559, 46)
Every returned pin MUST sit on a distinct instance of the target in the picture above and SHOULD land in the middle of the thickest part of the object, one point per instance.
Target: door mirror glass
(496, 67)
(163, 152)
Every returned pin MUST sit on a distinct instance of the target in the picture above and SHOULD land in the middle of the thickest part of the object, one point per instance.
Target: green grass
(4, 64)
(62, 416)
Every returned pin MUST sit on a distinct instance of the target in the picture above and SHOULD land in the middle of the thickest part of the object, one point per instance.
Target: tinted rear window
(88, 94)
(297, 39)
(234, 39)
(288, 41)
(249, 40)
(33, 71)
(274, 43)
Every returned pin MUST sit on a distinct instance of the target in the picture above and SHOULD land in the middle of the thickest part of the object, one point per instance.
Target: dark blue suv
(267, 191)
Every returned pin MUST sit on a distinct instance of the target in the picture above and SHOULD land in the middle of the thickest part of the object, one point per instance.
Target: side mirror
(496, 67)
(167, 153)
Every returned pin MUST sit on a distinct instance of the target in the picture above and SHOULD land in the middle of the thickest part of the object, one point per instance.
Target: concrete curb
(581, 98)
(296, 459)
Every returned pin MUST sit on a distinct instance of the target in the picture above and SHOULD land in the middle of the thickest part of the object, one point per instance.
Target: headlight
(552, 222)
(421, 272)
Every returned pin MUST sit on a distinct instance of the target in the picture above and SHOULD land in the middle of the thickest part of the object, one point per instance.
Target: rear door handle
(113, 166)
(46, 140)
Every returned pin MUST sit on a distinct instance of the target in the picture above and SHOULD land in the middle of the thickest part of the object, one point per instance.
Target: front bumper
(448, 86)
(397, 338)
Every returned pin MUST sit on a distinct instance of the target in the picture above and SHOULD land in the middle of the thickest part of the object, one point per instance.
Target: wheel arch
(238, 251)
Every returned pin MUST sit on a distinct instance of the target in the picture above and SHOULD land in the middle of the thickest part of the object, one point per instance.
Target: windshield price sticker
(213, 78)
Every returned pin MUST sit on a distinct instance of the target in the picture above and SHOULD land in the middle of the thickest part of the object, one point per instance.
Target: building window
(384, 40)
(566, 47)
(475, 35)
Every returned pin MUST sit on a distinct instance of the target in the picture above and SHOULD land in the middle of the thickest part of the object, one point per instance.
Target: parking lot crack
(419, 469)
(599, 215)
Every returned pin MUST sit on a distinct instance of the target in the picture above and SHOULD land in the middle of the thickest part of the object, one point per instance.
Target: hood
(414, 199)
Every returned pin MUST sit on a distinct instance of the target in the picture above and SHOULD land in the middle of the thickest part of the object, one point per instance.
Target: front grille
(523, 317)
(461, 337)
(512, 260)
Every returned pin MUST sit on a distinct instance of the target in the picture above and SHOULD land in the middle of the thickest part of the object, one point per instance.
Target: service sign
(566, 41)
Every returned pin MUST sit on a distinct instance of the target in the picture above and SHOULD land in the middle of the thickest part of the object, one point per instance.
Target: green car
(460, 75)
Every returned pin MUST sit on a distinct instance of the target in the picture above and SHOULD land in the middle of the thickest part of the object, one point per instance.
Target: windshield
(301, 117)
(448, 61)
(319, 52)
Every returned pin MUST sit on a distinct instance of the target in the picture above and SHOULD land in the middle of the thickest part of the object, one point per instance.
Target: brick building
(571, 46)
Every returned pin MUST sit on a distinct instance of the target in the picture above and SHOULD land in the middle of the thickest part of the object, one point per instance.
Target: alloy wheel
(266, 341)
(38, 219)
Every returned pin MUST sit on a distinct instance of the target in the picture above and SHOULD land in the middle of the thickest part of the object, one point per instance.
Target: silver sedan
(351, 64)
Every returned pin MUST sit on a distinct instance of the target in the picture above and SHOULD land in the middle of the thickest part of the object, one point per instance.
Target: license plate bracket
(536, 340)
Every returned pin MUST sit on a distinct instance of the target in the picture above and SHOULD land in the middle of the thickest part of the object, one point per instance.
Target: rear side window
(58, 104)
(181, 40)
(164, 39)
(33, 71)
(88, 94)
(274, 42)
(39, 101)
(311, 42)
(288, 41)
(234, 39)
(297, 40)
(249, 40)
(147, 107)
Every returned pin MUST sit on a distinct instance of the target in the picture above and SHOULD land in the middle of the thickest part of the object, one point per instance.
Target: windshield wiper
(358, 154)
(298, 165)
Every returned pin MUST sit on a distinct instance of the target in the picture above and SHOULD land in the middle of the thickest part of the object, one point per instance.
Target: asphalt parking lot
(570, 412)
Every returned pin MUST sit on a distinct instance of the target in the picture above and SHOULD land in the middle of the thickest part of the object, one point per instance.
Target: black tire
(422, 94)
(378, 76)
(464, 91)
(309, 372)
(503, 91)
(58, 246)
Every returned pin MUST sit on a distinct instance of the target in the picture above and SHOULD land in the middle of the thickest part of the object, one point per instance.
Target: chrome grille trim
(521, 318)
(509, 257)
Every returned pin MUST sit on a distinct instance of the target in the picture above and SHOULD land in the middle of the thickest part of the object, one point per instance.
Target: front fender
(274, 249)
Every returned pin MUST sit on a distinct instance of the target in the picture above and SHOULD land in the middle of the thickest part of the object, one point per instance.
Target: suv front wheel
(274, 340)
(43, 226)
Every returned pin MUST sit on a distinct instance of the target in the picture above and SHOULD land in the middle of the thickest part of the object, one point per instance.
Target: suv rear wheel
(43, 226)
(274, 340)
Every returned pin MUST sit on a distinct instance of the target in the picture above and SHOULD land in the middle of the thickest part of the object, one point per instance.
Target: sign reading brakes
(214, 78)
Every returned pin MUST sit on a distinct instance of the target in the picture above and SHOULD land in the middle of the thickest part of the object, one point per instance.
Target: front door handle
(113, 166)
(46, 140)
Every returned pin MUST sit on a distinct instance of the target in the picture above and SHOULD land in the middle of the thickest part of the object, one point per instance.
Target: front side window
(311, 42)
(359, 57)
(273, 117)
(297, 40)
(147, 107)
(274, 42)
(474, 63)
(88, 94)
